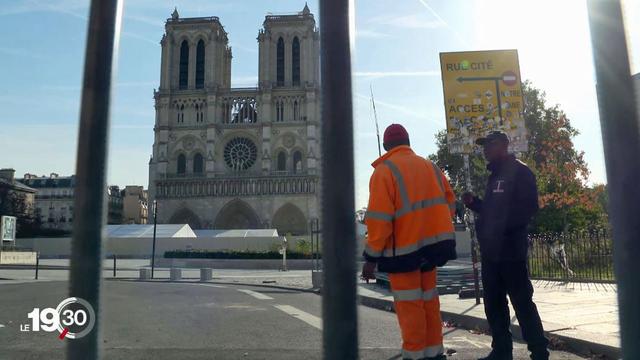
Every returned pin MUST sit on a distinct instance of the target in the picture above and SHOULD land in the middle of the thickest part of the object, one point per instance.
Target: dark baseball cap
(493, 137)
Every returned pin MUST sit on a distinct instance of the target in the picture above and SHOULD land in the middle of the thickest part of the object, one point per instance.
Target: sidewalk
(583, 316)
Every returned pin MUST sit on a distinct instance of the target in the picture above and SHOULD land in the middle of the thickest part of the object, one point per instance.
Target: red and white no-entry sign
(509, 78)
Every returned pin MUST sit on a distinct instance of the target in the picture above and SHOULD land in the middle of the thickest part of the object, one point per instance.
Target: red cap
(394, 133)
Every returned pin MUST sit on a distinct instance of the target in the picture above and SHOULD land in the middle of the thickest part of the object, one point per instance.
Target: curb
(280, 287)
(574, 345)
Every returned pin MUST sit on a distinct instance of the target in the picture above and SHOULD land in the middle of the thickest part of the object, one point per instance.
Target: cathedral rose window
(240, 154)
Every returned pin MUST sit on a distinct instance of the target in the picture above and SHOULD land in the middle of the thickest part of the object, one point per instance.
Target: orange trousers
(418, 309)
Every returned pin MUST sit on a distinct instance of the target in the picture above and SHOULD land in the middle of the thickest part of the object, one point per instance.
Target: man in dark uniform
(510, 201)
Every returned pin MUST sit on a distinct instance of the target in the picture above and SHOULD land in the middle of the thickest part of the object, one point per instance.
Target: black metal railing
(577, 256)
(13, 248)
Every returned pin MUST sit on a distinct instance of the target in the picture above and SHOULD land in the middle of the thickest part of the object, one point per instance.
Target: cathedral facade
(238, 158)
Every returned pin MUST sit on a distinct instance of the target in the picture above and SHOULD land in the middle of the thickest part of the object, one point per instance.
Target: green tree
(453, 166)
(566, 201)
(13, 203)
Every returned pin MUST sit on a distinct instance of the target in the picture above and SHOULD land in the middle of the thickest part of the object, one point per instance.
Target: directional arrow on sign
(509, 78)
(463, 79)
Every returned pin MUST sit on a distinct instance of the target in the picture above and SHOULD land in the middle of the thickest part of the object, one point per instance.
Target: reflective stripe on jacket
(409, 216)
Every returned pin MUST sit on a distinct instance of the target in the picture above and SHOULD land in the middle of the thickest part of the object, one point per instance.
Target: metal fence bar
(89, 204)
(340, 322)
(587, 256)
(621, 138)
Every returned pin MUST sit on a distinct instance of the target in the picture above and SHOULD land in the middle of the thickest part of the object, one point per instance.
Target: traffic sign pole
(470, 222)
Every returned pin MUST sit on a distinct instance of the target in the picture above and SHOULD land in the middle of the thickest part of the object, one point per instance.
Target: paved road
(144, 320)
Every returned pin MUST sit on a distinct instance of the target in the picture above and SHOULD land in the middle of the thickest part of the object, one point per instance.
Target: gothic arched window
(280, 62)
(200, 65)
(279, 111)
(296, 111)
(198, 163)
(184, 65)
(182, 164)
(297, 162)
(295, 57)
(282, 161)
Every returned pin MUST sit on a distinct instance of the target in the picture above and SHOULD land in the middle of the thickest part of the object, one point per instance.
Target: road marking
(214, 286)
(477, 344)
(256, 295)
(312, 320)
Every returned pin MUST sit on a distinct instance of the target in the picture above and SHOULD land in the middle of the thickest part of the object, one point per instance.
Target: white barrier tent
(135, 241)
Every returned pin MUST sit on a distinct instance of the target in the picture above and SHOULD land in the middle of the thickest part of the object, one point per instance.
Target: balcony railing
(43, 197)
(269, 185)
(240, 110)
(239, 174)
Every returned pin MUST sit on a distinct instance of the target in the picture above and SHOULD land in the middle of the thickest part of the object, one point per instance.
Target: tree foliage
(13, 203)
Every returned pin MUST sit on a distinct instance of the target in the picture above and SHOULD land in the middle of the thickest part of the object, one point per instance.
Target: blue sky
(396, 51)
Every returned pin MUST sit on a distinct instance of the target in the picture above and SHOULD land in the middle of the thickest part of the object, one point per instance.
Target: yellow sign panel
(482, 93)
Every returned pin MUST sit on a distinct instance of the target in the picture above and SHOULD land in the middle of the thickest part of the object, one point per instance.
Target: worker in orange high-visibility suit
(410, 232)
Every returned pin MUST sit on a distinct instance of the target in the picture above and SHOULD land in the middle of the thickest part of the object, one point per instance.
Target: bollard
(175, 274)
(37, 264)
(114, 265)
(145, 274)
(206, 274)
(316, 279)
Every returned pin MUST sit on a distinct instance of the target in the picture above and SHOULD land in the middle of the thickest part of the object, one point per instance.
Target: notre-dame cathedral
(238, 158)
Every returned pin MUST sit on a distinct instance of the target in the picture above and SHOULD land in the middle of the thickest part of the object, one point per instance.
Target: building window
(184, 65)
(181, 114)
(279, 111)
(182, 164)
(200, 113)
(296, 111)
(280, 62)
(297, 162)
(198, 164)
(295, 56)
(282, 161)
(200, 65)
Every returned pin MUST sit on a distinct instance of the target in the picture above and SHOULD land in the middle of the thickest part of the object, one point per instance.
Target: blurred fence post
(91, 167)
(339, 312)
(621, 139)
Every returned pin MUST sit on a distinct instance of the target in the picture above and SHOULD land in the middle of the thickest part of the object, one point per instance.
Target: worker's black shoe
(437, 357)
(498, 355)
(540, 355)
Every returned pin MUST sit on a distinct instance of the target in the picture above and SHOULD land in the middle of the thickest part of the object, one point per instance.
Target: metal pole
(37, 264)
(153, 250)
(114, 265)
(340, 321)
(621, 139)
(375, 116)
(93, 136)
(472, 232)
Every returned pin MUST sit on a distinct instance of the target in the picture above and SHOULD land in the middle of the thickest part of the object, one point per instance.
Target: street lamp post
(153, 250)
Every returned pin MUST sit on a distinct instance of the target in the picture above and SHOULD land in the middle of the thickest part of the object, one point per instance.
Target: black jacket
(510, 201)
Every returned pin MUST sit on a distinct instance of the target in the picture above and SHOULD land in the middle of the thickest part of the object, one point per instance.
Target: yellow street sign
(482, 93)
